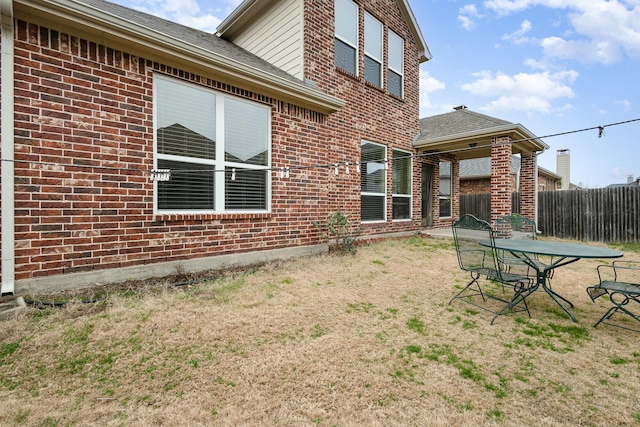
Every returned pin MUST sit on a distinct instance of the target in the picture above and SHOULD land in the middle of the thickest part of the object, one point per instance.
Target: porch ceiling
(477, 144)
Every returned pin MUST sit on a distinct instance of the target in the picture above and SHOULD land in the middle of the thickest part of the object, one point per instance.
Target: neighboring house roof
(481, 168)
(468, 134)
(635, 183)
(249, 10)
(140, 33)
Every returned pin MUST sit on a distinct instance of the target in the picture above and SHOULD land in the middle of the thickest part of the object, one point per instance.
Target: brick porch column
(501, 185)
(528, 190)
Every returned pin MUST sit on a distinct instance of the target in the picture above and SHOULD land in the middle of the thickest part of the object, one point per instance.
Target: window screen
(373, 182)
(211, 170)
(401, 185)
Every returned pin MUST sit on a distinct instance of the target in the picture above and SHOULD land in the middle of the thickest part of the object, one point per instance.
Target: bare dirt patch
(327, 340)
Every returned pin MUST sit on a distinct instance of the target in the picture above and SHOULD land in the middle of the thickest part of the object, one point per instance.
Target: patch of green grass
(317, 331)
(619, 361)
(416, 324)
(377, 261)
(495, 415)
(626, 247)
(554, 337)
(7, 349)
(363, 307)
(467, 406)
(22, 417)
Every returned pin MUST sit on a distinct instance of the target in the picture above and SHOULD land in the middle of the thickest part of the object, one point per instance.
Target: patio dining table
(559, 253)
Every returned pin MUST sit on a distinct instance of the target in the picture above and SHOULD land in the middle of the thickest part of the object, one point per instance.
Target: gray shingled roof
(457, 122)
(200, 39)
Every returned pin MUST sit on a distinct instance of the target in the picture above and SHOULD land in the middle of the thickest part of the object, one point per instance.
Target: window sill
(209, 216)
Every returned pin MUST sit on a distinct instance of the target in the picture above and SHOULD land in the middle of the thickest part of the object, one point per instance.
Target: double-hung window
(395, 83)
(401, 185)
(445, 189)
(217, 148)
(373, 181)
(372, 50)
(346, 38)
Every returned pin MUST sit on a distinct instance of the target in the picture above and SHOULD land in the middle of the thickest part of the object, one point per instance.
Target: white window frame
(445, 196)
(219, 164)
(392, 36)
(397, 155)
(372, 24)
(375, 165)
(351, 43)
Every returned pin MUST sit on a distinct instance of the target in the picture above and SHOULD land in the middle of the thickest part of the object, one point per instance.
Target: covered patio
(464, 134)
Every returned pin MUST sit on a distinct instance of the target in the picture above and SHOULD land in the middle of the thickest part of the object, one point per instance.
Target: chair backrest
(468, 231)
(515, 225)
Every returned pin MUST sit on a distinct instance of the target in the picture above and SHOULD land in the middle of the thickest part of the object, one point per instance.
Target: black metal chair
(518, 227)
(621, 282)
(481, 261)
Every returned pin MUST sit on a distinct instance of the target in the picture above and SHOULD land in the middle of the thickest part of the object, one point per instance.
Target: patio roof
(468, 135)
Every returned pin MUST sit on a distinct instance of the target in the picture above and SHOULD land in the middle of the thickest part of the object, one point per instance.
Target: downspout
(7, 145)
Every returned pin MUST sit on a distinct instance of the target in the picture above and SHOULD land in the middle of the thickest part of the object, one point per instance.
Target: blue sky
(554, 66)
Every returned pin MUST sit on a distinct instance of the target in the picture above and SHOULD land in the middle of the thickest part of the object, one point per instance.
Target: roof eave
(248, 10)
(524, 134)
(126, 33)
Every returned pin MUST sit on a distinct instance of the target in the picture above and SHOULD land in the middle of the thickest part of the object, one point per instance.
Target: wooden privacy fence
(598, 215)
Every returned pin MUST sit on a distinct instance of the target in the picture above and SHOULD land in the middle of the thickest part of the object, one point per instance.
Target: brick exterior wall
(371, 113)
(84, 149)
(528, 185)
(500, 178)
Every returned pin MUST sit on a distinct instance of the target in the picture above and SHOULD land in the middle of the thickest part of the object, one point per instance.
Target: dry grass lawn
(363, 340)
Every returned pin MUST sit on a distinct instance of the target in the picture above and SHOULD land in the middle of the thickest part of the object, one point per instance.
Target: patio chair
(621, 282)
(481, 261)
(517, 226)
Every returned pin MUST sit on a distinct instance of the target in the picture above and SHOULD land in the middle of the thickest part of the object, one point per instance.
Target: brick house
(135, 147)
(101, 103)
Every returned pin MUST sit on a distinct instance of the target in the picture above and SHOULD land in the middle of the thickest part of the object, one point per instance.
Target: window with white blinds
(346, 37)
(373, 181)
(445, 189)
(217, 148)
(401, 185)
(395, 78)
(372, 50)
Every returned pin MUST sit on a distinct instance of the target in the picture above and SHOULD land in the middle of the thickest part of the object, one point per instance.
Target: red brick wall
(371, 113)
(501, 183)
(528, 185)
(84, 133)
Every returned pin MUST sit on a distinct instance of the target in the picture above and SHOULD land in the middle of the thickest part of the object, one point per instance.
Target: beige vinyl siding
(277, 37)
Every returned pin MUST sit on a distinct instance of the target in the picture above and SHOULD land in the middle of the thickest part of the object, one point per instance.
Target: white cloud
(602, 31)
(467, 16)
(619, 173)
(428, 85)
(185, 12)
(531, 92)
(518, 37)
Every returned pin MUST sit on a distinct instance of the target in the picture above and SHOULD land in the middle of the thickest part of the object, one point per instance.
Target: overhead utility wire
(284, 171)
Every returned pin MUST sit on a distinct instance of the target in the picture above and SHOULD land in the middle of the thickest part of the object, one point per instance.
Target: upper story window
(346, 39)
(445, 189)
(372, 50)
(373, 181)
(401, 185)
(217, 147)
(395, 83)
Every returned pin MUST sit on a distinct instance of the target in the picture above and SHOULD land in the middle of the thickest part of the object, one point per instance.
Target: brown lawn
(363, 340)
